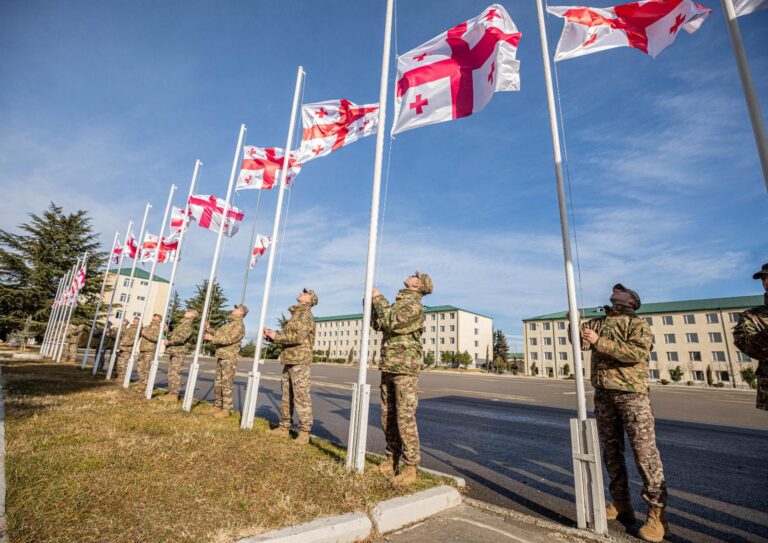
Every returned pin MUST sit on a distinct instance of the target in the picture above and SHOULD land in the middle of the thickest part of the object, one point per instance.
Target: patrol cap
(312, 295)
(762, 273)
(243, 307)
(426, 282)
(634, 295)
(195, 311)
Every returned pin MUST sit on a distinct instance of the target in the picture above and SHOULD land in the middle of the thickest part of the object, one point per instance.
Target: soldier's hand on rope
(587, 334)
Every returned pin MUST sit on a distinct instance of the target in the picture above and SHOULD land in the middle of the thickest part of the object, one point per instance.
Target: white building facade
(131, 306)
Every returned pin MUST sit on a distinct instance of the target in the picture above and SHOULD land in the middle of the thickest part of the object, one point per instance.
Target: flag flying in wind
(455, 74)
(133, 247)
(262, 244)
(650, 26)
(166, 252)
(177, 218)
(331, 125)
(117, 250)
(208, 211)
(261, 166)
(745, 7)
(78, 282)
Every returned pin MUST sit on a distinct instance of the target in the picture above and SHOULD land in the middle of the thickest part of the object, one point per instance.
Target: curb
(341, 529)
(2, 463)
(397, 513)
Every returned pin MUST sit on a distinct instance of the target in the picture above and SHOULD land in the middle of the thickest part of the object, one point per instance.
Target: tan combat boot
(222, 413)
(619, 511)
(387, 467)
(655, 525)
(407, 476)
(279, 432)
(302, 438)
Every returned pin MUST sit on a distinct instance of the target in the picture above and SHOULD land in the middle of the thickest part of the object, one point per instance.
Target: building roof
(427, 309)
(734, 302)
(142, 274)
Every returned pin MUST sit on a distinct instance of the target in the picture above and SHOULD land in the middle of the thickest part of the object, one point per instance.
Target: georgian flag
(77, 284)
(331, 125)
(259, 248)
(208, 211)
(650, 25)
(133, 246)
(166, 252)
(177, 218)
(261, 167)
(745, 7)
(117, 250)
(455, 74)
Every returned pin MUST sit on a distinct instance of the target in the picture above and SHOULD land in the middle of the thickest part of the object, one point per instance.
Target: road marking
(489, 528)
(573, 393)
(482, 394)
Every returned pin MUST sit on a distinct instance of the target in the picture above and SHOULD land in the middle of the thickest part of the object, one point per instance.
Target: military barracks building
(129, 307)
(446, 329)
(691, 334)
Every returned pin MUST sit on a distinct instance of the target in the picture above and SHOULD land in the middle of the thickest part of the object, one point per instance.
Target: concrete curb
(341, 529)
(397, 513)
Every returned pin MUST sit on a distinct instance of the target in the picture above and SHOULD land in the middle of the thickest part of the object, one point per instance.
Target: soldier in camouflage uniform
(227, 340)
(127, 338)
(150, 335)
(401, 355)
(178, 349)
(751, 337)
(621, 343)
(74, 334)
(297, 338)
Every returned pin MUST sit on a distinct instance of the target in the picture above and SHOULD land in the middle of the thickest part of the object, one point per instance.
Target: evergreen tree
(217, 315)
(33, 260)
(500, 346)
(175, 312)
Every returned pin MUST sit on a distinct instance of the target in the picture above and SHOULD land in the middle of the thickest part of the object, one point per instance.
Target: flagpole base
(588, 476)
(111, 366)
(128, 372)
(358, 427)
(189, 392)
(96, 362)
(151, 379)
(85, 357)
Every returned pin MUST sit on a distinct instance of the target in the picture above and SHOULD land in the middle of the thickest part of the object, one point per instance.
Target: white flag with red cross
(261, 167)
(78, 282)
(164, 250)
(132, 246)
(208, 211)
(650, 26)
(117, 250)
(745, 7)
(329, 126)
(455, 74)
(259, 248)
(178, 216)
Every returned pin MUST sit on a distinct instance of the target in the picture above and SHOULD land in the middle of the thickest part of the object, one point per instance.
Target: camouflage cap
(762, 273)
(195, 311)
(426, 282)
(243, 307)
(633, 294)
(312, 295)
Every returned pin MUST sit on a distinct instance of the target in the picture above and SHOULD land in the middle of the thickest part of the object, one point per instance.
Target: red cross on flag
(259, 248)
(209, 210)
(117, 250)
(331, 125)
(78, 282)
(133, 247)
(166, 251)
(178, 215)
(455, 74)
(261, 166)
(650, 26)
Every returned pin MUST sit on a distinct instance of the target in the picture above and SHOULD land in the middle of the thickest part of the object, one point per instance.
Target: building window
(477, 319)
(119, 314)
(453, 316)
(649, 320)
(432, 316)
(442, 328)
(140, 298)
(144, 283)
(453, 328)
(666, 320)
(477, 343)
(654, 374)
(692, 337)
(694, 356)
(718, 356)
(432, 328)
(531, 326)
(423, 341)
(453, 340)
(561, 326)
(713, 318)
(136, 314)
(432, 341)
(672, 357)
(561, 341)
(654, 356)
(442, 316)
(545, 326)
(563, 356)
(722, 376)
(547, 356)
(534, 356)
(744, 358)
(697, 375)
(126, 282)
(442, 341)
(123, 297)
(532, 341)
(669, 338)
(734, 316)
(689, 319)
(547, 341)
(715, 337)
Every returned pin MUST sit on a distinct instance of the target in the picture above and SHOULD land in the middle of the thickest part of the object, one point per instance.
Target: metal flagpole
(361, 392)
(194, 368)
(588, 474)
(184, 224)
(137, 337)
(119, 266)
(98, 304)
(72, 307)
(52, 318)
(750, 96)
(53, 340)
(137, 256)
(252, 390)
(250, 251)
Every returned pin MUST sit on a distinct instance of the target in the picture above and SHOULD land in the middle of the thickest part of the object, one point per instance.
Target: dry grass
(89, 461)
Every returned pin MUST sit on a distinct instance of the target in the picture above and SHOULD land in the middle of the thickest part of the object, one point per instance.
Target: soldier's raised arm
(749, 339)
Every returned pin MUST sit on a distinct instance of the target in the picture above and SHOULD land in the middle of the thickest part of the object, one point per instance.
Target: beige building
(446, 329)
(130, 307)
(689, 334)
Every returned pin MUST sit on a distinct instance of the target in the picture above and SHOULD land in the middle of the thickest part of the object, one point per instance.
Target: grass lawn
(87, 460)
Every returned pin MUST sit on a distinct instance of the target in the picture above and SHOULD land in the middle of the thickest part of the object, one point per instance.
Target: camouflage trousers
(143, 365)
(618, 412)
(762, 393)
(175, 365)
(295, 384)
(70, 352)
(122, 363)
(399, 400)
(222, 386)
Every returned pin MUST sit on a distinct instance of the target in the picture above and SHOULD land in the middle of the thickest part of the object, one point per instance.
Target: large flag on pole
(745, 7)
(259, 248)
(117, 250)
(178, 216)
(261, 166)
(651, 26)
(455, 74)
(329, 126)
(133, 247)
(164, 251)
(208, 211)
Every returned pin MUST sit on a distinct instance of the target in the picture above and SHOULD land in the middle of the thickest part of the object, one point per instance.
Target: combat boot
(280, 431)
(407, 476)
(619, 511)
(302, 438)
(655, 525)
(222, 413)
(387, 467)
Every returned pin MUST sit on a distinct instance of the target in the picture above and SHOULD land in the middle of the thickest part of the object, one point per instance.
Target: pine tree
(32, 261)
(217, 315)
(175, 312)
(500, 346)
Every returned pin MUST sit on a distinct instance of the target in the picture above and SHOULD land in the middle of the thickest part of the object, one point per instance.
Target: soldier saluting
(297, 338)
(401, 355)
(178, 349)
(751, 337)
(227, 339)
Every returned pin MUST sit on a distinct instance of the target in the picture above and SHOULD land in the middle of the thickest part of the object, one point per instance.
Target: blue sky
(104, 104)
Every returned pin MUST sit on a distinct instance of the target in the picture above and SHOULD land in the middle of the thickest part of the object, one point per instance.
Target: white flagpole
(750, 95)
(98, 304)
(119, 266)
(137, 338)
(137, 256)
(252, 390)
(194, 368)
(52, 318)
(361, 393)
(250, 251)
(72, 307)
(59, 313)
(588, 479)
(184, 225)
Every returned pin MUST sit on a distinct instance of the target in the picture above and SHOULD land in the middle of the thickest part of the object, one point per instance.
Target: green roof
(427, 309)
(734, 302)
(142, 274)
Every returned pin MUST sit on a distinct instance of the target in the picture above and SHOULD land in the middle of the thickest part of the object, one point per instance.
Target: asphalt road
(509, 438)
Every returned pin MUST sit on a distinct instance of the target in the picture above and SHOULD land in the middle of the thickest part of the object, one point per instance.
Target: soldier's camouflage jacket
(297, 336)
(127, 337)
(73, 333)
(401, 324)
(227, 338)
(177, 340)
(620, 356)
(149, 337)
(751, 337)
